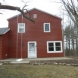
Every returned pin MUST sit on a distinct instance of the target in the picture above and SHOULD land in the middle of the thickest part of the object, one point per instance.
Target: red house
(25, 39)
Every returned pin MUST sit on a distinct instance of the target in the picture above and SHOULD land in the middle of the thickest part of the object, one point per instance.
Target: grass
(38, 71)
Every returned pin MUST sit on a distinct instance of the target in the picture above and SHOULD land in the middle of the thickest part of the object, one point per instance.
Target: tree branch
(71, 11)
(18, 9)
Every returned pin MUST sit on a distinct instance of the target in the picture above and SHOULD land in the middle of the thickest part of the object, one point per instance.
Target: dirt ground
(73, 61)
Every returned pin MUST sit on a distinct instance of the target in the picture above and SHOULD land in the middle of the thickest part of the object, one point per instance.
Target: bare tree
(71, 7)
(22, 11)
(70, 40)
(67, 40)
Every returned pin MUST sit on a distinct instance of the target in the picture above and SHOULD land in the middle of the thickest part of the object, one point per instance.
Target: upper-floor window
(21, 27)
(46, 27)
(34, 15)
(54, 46)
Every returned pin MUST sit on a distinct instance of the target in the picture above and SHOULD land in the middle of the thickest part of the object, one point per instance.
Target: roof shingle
(4, 30)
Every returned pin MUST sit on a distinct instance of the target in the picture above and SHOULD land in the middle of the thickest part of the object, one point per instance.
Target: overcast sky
(45, 5)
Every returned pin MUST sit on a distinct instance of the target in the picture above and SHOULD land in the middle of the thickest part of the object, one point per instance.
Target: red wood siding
(34, 32)
(5, 46)
(0, 47)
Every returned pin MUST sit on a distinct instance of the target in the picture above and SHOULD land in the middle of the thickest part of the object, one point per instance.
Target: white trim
(62, 38)
(54, 47)
(35, 48)
(49, 27)
(23, 27)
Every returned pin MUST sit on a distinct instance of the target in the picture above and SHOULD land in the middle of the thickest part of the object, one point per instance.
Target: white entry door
(32, 52)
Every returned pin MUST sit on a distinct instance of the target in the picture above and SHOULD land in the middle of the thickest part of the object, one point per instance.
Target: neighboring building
(4, 47)
(33, 40)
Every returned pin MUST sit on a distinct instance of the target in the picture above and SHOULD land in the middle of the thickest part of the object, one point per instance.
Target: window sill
(54, 52)
(47, 31)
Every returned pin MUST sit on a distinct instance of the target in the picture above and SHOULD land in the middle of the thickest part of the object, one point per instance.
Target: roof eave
(18, 14)
(38, 10)
(5, 32)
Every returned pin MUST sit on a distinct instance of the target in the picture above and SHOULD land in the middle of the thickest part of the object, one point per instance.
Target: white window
(21, 27)
(54, 46)
(34, 15)
(46, 27)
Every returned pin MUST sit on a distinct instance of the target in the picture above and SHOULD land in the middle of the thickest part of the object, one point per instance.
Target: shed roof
(4, 30)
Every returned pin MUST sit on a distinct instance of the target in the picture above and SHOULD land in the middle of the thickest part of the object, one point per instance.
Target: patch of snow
(19, 60)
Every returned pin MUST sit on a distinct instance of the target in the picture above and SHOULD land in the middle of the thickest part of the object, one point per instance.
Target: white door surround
(32, 49)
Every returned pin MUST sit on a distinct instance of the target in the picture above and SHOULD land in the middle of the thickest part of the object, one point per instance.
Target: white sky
(45, 5)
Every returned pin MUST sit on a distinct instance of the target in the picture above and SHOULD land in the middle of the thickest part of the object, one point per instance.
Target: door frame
(35, 48)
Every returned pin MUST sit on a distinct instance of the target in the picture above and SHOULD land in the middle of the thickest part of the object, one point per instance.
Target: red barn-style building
(25, 39)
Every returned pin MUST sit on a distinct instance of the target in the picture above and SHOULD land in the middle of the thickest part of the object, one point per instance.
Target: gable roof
(4, 30)
(48, 13)
(38, 10)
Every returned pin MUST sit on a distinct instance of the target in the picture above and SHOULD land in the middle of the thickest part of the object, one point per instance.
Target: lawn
(38, 71)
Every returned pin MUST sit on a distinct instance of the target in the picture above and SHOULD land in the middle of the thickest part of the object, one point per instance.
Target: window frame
(19, 28)
(49, 27)
(54, 47)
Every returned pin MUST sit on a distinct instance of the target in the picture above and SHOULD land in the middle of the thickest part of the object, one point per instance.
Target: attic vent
(34, 15)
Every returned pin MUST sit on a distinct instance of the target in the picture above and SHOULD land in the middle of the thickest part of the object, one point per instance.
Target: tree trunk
(77, 43)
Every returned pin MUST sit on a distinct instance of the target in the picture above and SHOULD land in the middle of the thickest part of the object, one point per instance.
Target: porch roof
(4, 30)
